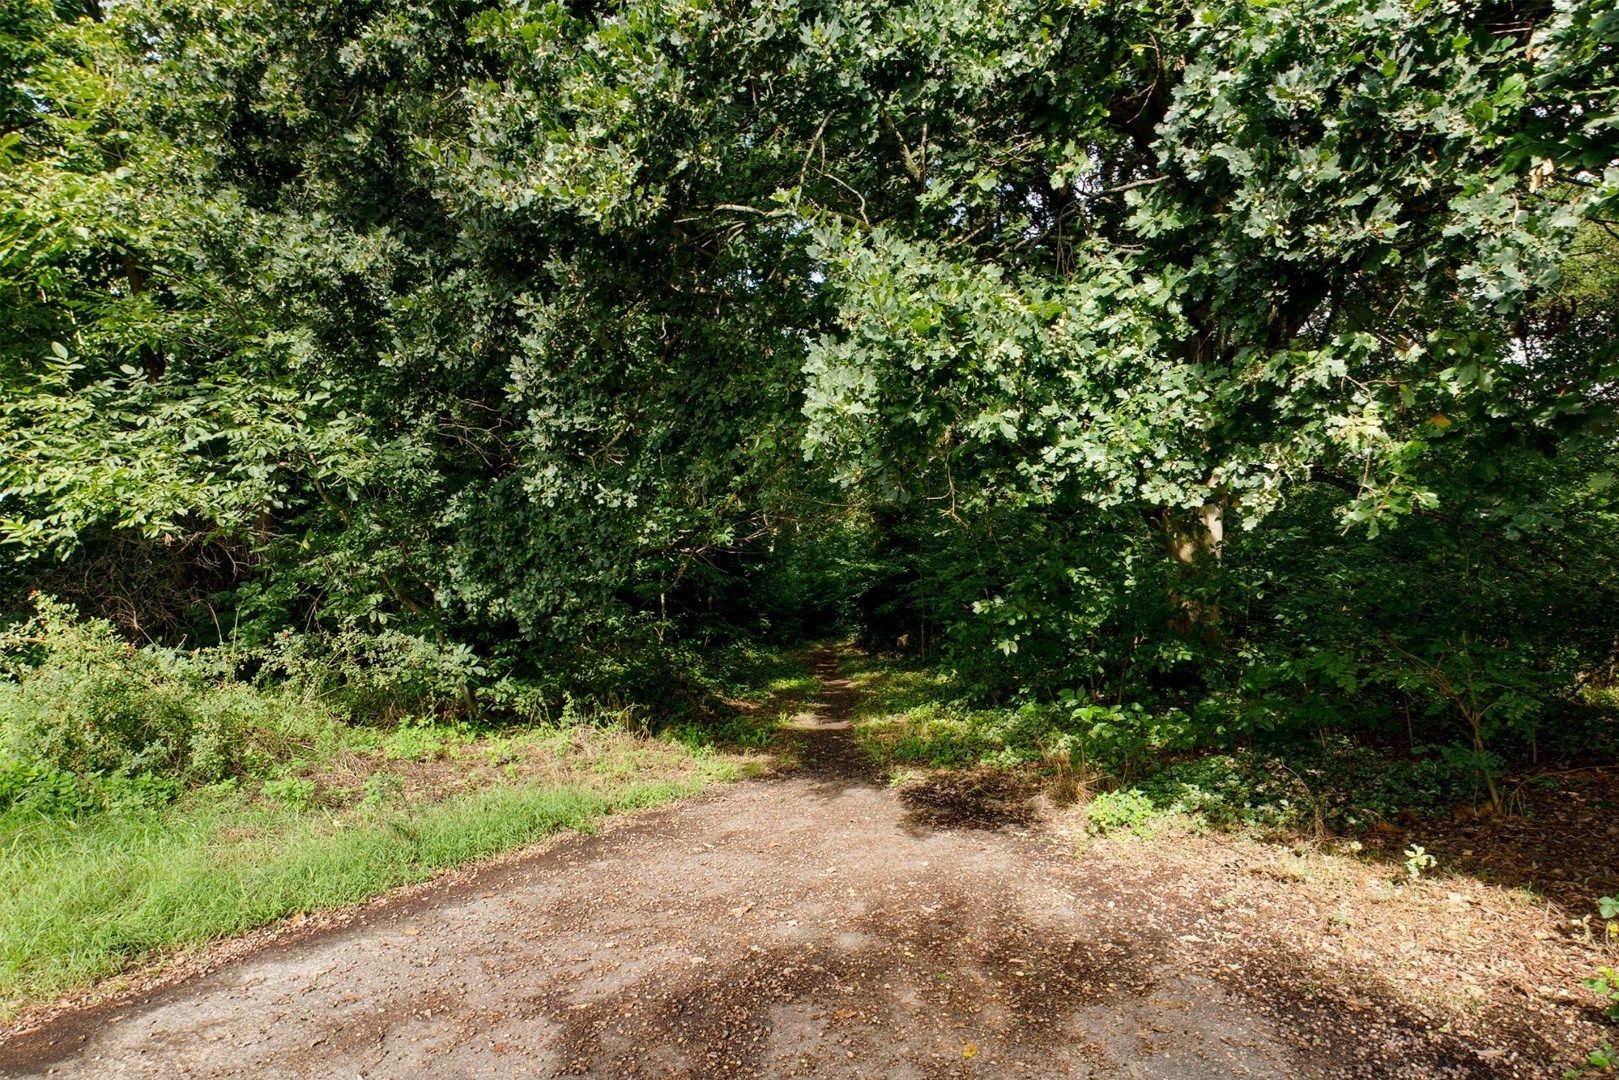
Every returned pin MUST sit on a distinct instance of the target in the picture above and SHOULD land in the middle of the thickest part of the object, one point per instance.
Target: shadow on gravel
(964, 973)
(1104, 997)
(970, 799)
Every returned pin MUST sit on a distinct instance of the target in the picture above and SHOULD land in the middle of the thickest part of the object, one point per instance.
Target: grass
(749, 674)
(909, 714)
(352, 812)
(762, 688)
(81, 901)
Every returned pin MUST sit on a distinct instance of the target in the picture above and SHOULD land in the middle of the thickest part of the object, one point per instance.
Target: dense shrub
(1336, 785)
(89, 720)
(381, 675)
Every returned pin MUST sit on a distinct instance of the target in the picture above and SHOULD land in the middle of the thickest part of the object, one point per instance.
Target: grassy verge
(911, 714)
(81, 899)
(351, 812)
(79, 903)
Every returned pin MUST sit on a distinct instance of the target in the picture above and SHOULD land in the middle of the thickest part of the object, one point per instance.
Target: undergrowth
(1141, 766)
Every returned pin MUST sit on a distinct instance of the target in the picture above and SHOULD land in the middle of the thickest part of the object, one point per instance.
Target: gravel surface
(817, 924)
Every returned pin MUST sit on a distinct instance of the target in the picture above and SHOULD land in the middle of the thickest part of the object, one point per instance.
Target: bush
(294, 791)
(384, 675)
(38, 788)
(88, 720)
(1333, 784)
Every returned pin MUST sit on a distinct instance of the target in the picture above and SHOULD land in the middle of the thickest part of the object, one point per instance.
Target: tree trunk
(1193, 538)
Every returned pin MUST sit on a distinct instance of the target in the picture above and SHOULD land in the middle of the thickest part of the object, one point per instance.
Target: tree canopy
(1251, 362)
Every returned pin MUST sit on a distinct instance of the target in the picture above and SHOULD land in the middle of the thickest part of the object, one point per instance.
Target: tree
(537, 328)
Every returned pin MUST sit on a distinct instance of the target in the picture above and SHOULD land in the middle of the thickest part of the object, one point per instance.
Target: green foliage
(293, 791)
(465, 360)
(1221, 398)
(952, 735)
(751, 690)
(1417, 860)
(86, 718)
(1127, 809)
(103, 869)
(748, 672)
(1263, 292)
(1605, 985)
(383, 675)
(914, 715)
(34, 787)
(745, 731)
(421, 741)
(812, 580)
(1338, 786)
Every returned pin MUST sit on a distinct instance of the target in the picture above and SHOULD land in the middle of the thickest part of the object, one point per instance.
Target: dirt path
(822, 924)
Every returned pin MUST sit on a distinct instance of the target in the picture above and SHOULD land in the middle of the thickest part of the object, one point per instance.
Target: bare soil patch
(1561, 840)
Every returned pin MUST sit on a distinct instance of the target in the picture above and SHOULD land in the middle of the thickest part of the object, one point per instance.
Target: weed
(291, 791)
(1605, 985)
(1115, 810)
(425, 740)
(748, 731)
(382, 788)
(1603, 1059)
(1417, 860)
(30, 788)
